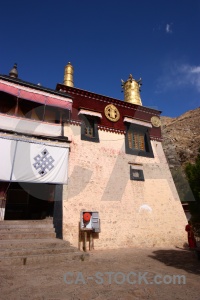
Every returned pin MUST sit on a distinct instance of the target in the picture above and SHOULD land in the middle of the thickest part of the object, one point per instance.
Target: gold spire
(132, 90)
(68, 75)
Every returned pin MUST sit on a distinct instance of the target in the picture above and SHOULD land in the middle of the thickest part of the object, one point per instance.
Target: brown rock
(181, 133)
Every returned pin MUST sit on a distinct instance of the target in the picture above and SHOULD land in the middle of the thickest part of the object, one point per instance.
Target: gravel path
(136, 274)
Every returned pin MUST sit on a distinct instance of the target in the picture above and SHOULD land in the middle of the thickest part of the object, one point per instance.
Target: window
(7, 104)
(136, 174)
(52, 114)
(89, 130)
(137, 141)
(30, 110)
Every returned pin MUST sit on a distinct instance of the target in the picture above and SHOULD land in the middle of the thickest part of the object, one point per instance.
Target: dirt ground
(80, 280)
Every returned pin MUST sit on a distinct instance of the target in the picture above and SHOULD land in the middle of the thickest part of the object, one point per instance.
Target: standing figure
(191, 238)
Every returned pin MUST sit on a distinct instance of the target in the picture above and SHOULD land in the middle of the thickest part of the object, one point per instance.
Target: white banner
(33, 162)
(7, 150)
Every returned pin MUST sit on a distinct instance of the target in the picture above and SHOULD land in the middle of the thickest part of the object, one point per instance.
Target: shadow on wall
(79, 179)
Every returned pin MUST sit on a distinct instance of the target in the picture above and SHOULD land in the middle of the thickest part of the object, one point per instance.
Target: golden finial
(68, 75)
(131, 89)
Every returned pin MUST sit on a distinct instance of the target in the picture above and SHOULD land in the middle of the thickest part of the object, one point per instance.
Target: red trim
(9, 89)
(58, 103)
(32, 97)
(98, 103)
(82, 93)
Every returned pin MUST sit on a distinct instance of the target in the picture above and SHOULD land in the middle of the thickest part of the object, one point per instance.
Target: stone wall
(133, 213)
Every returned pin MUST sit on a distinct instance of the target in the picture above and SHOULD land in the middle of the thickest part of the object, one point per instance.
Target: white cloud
(168, 28)
(190, 75)
(179, 75)
(163, 27)
(195, 70)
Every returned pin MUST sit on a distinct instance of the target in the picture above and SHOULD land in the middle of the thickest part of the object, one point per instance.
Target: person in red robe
(191, 237)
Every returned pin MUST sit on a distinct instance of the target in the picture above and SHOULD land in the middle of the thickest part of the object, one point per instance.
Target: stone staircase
(33, 242)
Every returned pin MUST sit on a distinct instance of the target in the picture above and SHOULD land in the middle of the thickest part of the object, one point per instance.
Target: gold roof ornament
(13, 72)
(131, 89)
(68, 75)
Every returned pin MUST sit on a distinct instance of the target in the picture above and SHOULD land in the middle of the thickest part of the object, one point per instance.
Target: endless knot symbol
(43, 162)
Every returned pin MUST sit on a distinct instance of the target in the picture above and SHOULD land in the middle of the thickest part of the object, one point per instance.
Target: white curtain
(7, 150)
(33, 162)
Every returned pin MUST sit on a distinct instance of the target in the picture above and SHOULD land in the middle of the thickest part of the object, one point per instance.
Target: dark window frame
(85, 137)
(27, 107)
(148, 152)
(8, 102)
(57, 114)
(141, 174)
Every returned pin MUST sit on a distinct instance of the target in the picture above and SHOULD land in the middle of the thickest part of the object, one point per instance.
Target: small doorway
(29, 201)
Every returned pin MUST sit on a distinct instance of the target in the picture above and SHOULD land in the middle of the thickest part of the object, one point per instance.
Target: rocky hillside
(181, 141)
(181, 138)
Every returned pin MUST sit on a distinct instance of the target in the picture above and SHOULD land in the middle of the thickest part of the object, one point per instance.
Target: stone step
(27, 222)
(29, 242)
(39, 251)
(43, 259)
(33, 244)
(29, 229)
(27, 226)
(27, 235)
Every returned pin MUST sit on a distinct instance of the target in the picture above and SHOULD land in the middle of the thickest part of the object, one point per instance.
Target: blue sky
(106, 41)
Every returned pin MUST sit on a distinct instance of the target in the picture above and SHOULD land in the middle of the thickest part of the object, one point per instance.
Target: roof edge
(35, 86)
(96, 96)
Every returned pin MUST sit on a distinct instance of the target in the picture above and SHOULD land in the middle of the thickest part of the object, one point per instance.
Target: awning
(90, 113)
(34, 95)
(138, 122)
